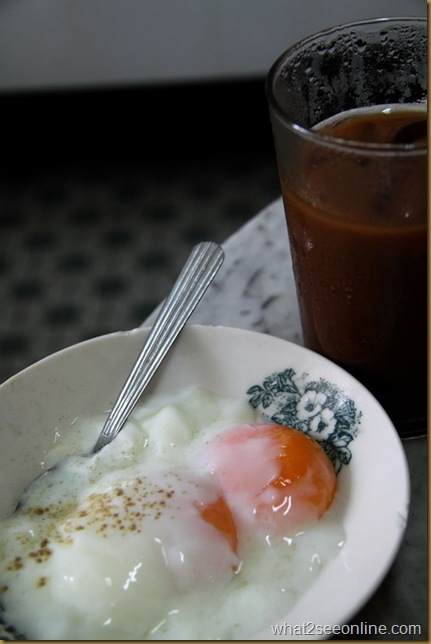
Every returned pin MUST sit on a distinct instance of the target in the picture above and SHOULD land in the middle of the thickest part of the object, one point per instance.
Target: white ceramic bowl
(84, 380)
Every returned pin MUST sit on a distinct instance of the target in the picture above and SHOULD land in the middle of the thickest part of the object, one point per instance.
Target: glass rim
(402, 149)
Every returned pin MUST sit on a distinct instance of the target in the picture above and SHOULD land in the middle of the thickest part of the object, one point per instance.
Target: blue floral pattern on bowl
(315, 407)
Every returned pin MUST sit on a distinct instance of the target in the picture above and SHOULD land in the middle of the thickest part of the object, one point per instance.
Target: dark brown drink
(358, 231)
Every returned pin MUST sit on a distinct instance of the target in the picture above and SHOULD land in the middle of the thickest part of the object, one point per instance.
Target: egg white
(112, 546)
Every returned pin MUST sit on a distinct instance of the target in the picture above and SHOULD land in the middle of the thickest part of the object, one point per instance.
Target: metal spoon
(196, 275)
(194, 279)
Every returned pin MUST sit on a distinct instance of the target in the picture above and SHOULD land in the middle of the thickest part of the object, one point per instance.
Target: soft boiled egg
(197, 522)
(273, 477)
(122, 552)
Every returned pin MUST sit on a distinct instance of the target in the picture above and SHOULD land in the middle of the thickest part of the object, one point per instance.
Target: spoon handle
(194, 279)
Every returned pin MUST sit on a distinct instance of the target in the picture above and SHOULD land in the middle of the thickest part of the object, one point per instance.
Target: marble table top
(255, 290)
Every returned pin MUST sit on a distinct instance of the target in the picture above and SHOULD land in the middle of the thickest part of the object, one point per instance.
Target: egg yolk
(219, 515)
(272, 476)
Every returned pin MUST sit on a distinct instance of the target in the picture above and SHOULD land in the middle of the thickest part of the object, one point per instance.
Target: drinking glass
(354, 189)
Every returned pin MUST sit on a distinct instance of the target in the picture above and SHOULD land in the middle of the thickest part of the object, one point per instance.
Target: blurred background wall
(131, 129)
(92, 43)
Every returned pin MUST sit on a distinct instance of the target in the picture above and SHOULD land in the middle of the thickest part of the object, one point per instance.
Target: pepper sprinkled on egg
(196, 514)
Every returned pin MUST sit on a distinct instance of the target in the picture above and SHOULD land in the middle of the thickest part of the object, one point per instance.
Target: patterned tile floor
(85, 253)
